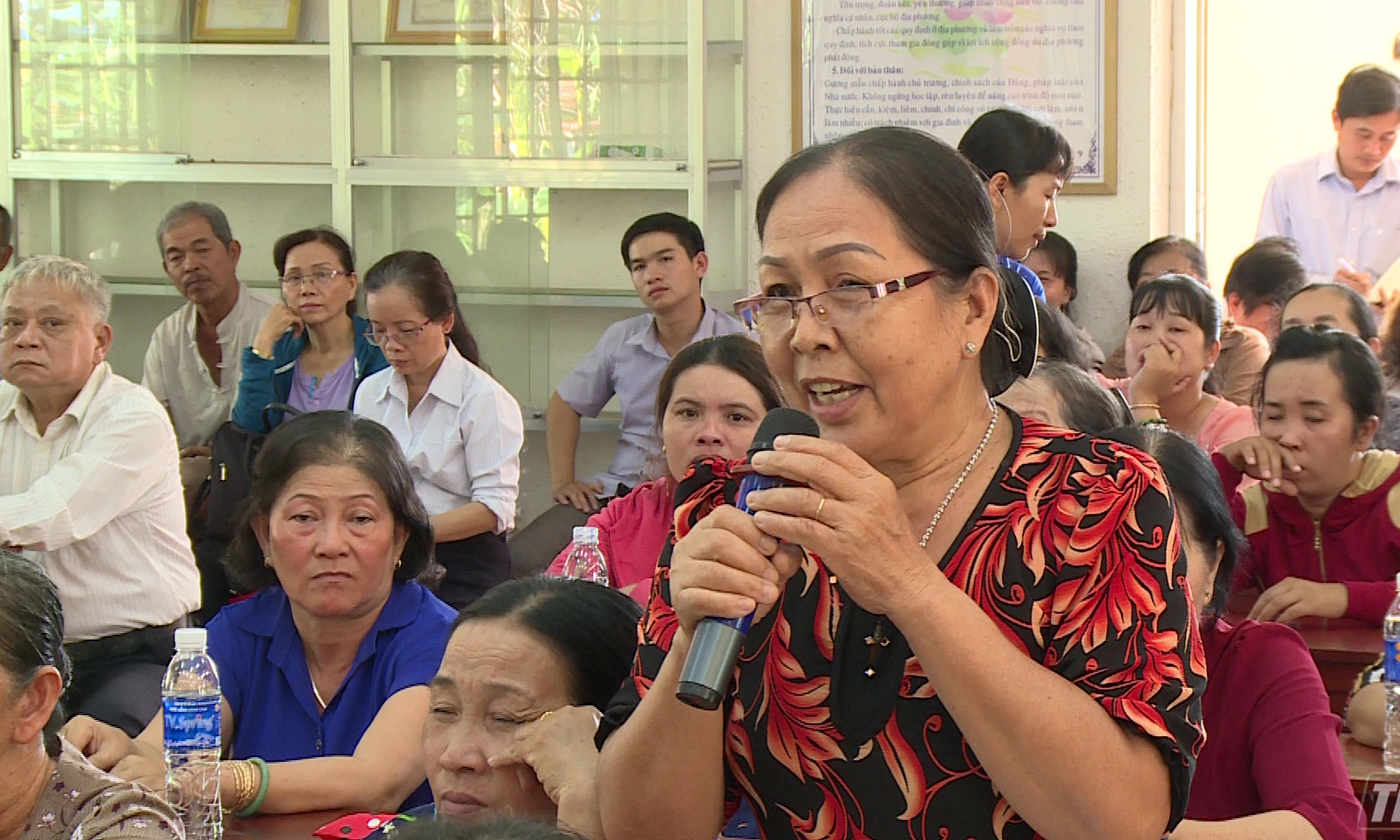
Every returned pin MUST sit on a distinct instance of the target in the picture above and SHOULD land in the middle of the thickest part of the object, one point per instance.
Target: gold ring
(818, 515)
(543, 716)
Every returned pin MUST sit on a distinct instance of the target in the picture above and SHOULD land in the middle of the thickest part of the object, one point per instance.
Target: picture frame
(441, 22)
(937, 68)
(239, 21)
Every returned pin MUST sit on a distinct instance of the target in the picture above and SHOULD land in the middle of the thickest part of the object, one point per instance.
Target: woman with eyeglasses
(460, 430)
(311, 353)
(966, 623)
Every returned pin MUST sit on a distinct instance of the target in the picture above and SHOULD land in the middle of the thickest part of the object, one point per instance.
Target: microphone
(710, 663)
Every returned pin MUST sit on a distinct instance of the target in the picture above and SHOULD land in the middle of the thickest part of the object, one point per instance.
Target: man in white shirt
(90, 489)
(192, 362)
(1343, 206)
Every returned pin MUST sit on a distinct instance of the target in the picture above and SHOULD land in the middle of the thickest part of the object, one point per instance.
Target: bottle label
(1392, 660)
(192, 723)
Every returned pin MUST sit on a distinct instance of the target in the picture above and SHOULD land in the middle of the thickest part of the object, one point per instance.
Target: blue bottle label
(192, 723)
(1392, 660)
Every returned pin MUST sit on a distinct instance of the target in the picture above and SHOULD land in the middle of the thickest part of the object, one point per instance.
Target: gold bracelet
(1145, 407)
(245, 785)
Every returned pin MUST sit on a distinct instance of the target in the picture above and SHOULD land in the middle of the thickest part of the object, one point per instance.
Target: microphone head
(782, 421)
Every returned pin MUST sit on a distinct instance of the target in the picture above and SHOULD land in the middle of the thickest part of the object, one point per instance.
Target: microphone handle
(715, 649)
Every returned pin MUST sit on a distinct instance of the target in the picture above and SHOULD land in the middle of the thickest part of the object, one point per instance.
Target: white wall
(1105, 228)
(1272, 70)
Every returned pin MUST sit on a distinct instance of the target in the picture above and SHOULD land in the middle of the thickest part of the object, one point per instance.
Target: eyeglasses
(837, 308)
(320, 278)
(401, 337)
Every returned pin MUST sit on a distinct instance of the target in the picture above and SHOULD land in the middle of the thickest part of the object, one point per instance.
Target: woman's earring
(970, 349)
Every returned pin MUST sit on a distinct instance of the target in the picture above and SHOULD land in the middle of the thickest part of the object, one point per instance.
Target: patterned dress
(83, 803)
(1072, 552)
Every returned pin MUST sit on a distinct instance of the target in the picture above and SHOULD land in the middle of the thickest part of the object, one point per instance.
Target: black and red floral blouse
(835, 732)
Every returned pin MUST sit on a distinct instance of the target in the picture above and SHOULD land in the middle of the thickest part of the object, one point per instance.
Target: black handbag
(231, 455)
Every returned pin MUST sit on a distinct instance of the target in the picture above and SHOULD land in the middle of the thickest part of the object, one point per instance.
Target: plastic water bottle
(191, 707)
(1391, 629)
(585, 560)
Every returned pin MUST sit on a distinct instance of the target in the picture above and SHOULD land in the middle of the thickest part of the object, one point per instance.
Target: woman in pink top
(709, 402)
(1173, 342)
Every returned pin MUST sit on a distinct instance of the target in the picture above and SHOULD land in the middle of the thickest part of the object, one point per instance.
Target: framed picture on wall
(246, 20)
(442, 22)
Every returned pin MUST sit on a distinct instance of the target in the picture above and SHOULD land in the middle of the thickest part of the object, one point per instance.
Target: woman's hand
(1261, 458)
(1293, 598)
(1160, 375)
(848, 514)
(278, 321)
(558, 747)
(726, 567)
(103, 744)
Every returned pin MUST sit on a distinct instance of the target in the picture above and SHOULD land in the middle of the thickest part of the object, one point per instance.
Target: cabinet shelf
(467, 295)
(654, 49)
(176, 48)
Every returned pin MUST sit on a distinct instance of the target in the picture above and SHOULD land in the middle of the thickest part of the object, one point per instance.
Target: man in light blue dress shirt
(665, 254)
(1343, 205)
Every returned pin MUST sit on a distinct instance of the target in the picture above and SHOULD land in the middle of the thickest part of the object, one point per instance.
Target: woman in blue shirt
(311, 352)
(324, 672)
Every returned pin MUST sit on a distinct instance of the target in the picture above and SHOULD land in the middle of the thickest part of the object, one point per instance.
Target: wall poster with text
(937, 64)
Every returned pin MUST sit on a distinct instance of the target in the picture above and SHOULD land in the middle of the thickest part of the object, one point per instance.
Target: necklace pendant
(878, 637)
(869, 672)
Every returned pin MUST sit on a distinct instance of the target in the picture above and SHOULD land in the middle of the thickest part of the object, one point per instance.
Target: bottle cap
(191, 638)
(586, 534)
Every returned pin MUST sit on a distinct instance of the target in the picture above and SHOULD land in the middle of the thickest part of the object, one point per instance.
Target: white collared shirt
(96, 501)
(176, 373)
(462, 441)
(1331, 220)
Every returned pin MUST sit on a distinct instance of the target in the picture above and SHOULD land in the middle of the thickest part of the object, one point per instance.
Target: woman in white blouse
(459, 429)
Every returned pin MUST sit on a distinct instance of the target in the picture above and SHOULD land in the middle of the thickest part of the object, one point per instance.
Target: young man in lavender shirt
(666, 255)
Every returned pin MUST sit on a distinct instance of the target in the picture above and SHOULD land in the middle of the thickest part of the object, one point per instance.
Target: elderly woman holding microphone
(986, 631)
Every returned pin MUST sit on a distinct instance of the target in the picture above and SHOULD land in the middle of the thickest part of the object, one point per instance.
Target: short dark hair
(1017, 143)
(496, 828)
(735, 353)
(330, 439)
(183, 212)
(31, 632)
(1358, 309)
(1363, 385)
(1267, 272)
(1164, 244)
(686, 232)
(1087, 406)
(421, 274)
(941, 211)
(1065, 260)
(1178, 294)
(1367, 91)
(592, 628)
(326, 236)
(7, 227)
(1198, 497)
(1059, 338)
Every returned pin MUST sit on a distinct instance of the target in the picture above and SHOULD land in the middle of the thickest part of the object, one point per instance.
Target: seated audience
(459, 429)
(710, 401)
(1242, 350)
(51, 791)
(193, 361)
(1024, 162)
(516, 703)
(1056, 263)
(1324, 537)
(324, 670)
(1342, 307)
(666, 255)
(1173, 342)
(1063, 395)
(1260, 280)
(1272, 765)
(312, 352)
(90, 489)
(1342, 205)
